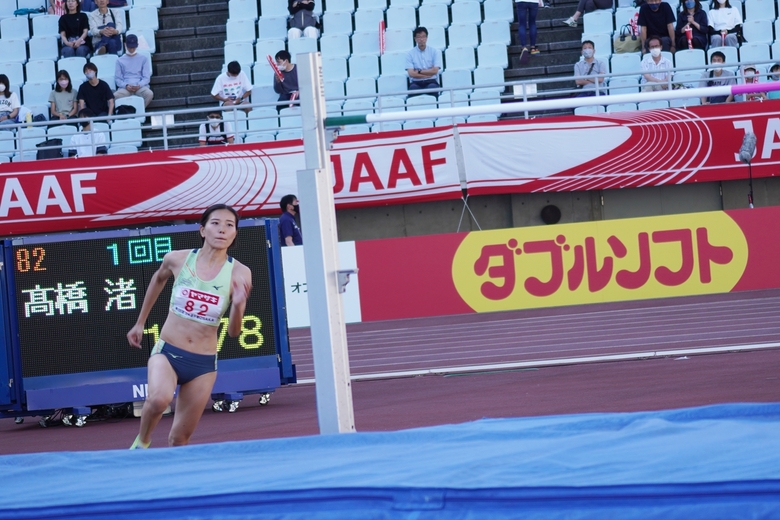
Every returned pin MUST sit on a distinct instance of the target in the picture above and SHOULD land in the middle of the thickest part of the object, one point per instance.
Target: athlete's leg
(160, 390)
(190, 403)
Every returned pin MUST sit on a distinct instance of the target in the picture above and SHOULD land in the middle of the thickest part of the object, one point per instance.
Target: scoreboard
(76, 296)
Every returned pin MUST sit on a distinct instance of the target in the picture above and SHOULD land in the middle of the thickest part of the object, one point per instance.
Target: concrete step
(183, 90)
(215, 41)
(187, 66)
(198, 20)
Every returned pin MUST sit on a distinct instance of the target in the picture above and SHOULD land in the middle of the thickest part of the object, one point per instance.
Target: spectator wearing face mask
(87, 143)
(750, 76)
(695, 17)
(215, 131)
(717, 76)
(133, 72)
(656, 18)
(9, 102)
(232, 88)
(589, 66)
(725, 24)
(774, 75)
(655, 73)
(63, 100)
(95, 94)
(289, 233)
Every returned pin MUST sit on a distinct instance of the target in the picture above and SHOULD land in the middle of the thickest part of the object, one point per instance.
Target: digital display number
(30, 259)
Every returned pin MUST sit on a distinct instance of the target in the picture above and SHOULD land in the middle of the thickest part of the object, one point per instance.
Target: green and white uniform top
(199, 300)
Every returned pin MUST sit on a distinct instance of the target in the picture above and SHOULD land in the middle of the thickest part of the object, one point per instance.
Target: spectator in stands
(586, 6)
(63, 99)
(302, 21)
(589, 66)
(656, 18)
(232, 87)
(95, 94)
(750, 75)
(57, 7)
(215, 131)
(74, 31)
(105, 26)
(717, 77)
(774, 75)
(526, 15)
(288, 229)
(695, 17)
(87, 6)
(133, 72)
(287, 88)
(87, 143)
(9, 102)
(423, 63)
(654, 77)
(726, 24)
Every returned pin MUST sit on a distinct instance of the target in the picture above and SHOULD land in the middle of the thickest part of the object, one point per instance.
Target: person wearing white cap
(133, 72)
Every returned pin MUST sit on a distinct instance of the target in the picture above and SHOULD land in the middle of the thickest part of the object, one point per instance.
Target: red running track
(395, 403)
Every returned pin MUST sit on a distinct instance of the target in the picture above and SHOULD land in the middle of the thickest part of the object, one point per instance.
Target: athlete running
(206, 280)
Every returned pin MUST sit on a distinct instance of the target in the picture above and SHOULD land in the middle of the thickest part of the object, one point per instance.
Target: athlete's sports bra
(198, 300)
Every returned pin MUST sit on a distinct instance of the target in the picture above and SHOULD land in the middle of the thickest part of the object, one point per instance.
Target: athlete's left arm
(241, 286)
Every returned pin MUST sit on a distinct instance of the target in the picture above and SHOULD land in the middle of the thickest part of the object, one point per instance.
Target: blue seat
(361, 86)
(13, 50)
(290, 117)
(628, 64)
(621, 107)
(272, 28)
(460, 58)
(334, 68)
(598, 22)
(144, 17)
(363, 66)
(334, 89)
(15, 28)
(757, 53)
(399, 40)
(434, 15)
(336, 23)
(492, 55)
(367, 20)
(265, 48)
(242, 30)
(466, 12)
(243, 53)
(689, 58)
(623, 86)
(483, 96)
(758, 31)
(372, 4)
(392, 83)
(691, 79)
(685, 102)
(15, 73)
(394, 63)
(456, 78)
(436, 38)
(403, 17)
(592, 109)
(126, 132)
(273, 9)
(45, 25)
(418, 123)
(421, 102)
(489, 76)
(365, 43)
(335, 45)
(301, 46)
(341, 6)
(36, 93)
(499, 10)
(492, 31)
(760, 10)
(465, 34)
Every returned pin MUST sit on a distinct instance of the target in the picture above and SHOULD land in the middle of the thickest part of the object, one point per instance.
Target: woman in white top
(9, 102)
(725, 24)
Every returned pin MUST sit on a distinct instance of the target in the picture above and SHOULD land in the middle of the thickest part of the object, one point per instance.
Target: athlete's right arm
(156, 285)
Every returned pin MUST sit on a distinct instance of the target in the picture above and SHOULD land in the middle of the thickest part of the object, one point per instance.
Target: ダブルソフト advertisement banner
(569, 264)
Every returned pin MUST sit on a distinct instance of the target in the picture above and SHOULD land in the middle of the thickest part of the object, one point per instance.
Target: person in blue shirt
(423, 63)
(288, 229)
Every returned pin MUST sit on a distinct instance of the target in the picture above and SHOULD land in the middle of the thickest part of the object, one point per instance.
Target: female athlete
(206, 280)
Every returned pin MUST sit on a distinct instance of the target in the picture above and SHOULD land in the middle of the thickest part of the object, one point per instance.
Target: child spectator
(774, 75)
(302, 22)
(63, 99)
(9, 102)
(74, 31)
(216, 131)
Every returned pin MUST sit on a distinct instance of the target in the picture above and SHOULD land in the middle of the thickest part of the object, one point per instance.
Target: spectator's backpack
(222, 136)
(49, 153)
(123, 110)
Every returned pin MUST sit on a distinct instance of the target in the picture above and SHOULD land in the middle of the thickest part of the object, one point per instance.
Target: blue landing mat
(711, 462)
